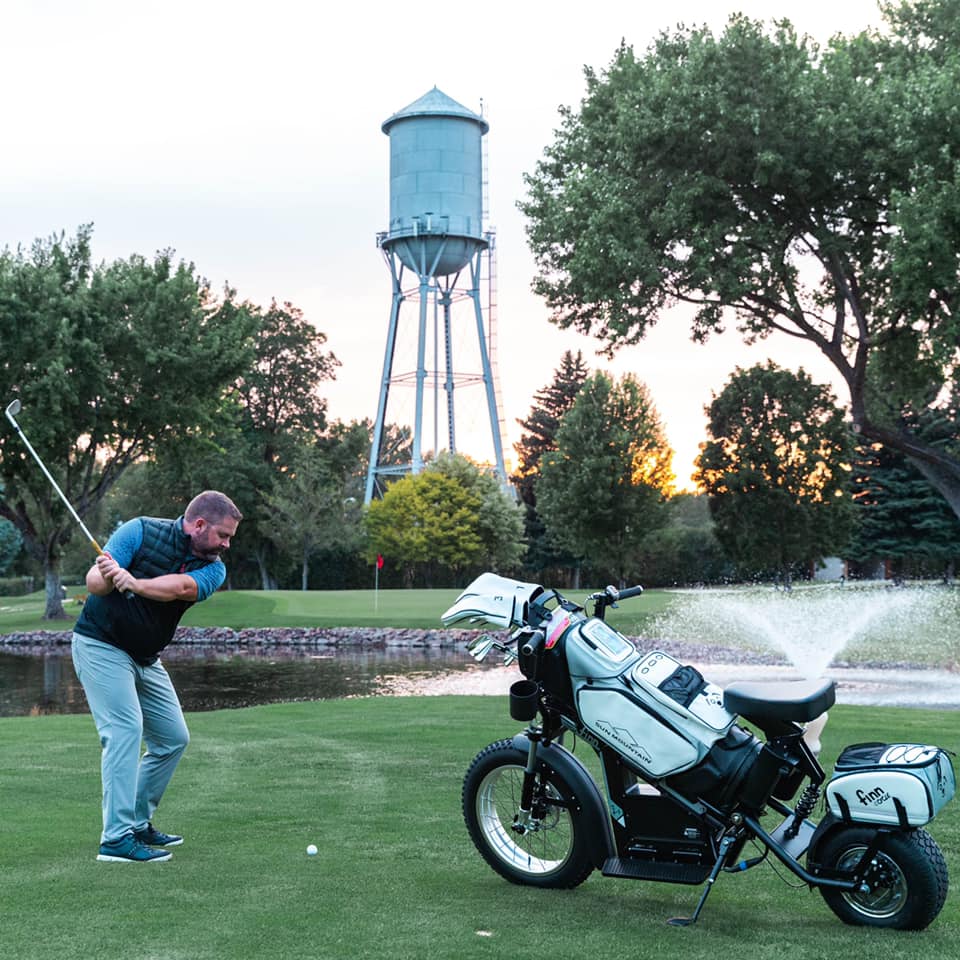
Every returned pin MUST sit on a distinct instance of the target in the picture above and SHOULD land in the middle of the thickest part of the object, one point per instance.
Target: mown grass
(312, 608)
(870, 623)
(375, 783)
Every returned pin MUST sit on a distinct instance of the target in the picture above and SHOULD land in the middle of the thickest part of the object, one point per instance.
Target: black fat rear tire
(913, 879)
(554, 851)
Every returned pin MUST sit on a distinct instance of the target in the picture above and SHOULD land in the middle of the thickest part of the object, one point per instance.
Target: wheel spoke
(538, 849)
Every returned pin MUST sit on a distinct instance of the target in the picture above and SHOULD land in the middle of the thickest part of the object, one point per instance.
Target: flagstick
(376, 586)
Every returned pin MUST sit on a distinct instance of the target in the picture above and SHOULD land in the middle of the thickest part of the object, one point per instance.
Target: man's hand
(124, 580)
(108, 568)
(100, 577)
(107, 575)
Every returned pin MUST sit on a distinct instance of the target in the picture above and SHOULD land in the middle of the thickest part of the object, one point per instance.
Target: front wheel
(545, 848)
(907, 879)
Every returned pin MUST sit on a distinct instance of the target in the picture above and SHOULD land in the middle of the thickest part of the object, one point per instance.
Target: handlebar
(533, 642)
(609, 596)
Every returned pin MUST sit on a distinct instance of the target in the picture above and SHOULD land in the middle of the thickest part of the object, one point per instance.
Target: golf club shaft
(53, 483)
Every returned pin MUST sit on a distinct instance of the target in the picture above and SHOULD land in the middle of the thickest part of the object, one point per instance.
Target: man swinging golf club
(149, 573)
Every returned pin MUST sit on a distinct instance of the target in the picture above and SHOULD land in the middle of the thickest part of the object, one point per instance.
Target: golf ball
(312, 850)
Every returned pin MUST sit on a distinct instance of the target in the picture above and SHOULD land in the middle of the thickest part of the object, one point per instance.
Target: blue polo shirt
(148, 547)
(127, 539)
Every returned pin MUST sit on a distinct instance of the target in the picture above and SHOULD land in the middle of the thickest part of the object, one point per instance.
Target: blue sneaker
(155, 838)
(128, 849)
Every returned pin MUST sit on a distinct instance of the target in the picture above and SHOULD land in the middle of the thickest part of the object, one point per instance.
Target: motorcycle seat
(796, 701)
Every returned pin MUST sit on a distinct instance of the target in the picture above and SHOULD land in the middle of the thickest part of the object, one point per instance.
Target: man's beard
(206, 552)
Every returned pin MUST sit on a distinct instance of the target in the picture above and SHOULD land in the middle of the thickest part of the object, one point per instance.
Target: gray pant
(130, 704)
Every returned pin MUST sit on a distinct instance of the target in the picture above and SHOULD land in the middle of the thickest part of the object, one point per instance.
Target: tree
(281, 408)
(900, 517)
(601, 491)
(551, 404)
(316, 504)
(686, 549)
(813, 192)
(279, 391)
(499, 520)
(272, 410)
(425, 520)
(112, 363)
(775, 470)
(11, 543)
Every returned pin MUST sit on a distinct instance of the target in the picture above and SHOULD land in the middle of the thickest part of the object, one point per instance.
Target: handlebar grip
(533, 642)
(630, 592)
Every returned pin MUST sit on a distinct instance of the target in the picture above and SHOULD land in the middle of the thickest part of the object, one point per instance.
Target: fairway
(375, 783)
(926, 631)
(240, 609)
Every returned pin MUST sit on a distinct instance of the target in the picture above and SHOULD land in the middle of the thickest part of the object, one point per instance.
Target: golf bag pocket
(682, 690)
(903, 784)
(615, 717)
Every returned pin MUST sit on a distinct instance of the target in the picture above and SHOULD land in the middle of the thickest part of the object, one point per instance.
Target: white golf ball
(312, 850)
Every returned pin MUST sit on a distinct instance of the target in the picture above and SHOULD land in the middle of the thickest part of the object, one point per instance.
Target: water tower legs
(429, 290)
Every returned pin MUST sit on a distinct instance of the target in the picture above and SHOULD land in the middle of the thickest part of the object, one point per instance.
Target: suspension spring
(805, 806)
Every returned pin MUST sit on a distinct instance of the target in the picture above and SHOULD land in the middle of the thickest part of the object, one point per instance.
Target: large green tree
(450, 518)
(776, 471)
(272, 412)
(602, 490)
(754, 175)
(499, 521)
(112, 363)
(425, 521)
(315, 505)
(11, 543)
(550, 405)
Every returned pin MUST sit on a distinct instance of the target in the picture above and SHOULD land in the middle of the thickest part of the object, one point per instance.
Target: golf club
(13, 408)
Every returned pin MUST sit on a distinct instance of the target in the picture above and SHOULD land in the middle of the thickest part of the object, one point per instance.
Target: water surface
(209, 680)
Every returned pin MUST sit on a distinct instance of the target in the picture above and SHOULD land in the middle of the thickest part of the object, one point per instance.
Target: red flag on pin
(379, 561)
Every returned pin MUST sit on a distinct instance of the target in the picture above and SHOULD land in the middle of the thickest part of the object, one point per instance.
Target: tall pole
(487, 371)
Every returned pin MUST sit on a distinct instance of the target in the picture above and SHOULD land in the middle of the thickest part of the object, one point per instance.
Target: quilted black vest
(140, 626)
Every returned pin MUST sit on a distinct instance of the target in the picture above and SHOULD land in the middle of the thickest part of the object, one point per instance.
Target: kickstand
(725, 844)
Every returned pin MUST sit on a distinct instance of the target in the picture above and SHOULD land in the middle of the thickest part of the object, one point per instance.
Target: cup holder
(524, 695)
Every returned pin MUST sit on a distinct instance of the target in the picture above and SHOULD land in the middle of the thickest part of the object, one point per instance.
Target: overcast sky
(246, 136)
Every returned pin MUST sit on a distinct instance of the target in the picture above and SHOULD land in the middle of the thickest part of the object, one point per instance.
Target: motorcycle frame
(727, 791)
(728, 832)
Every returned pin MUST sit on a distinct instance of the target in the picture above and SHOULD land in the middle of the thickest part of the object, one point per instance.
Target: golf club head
(13, 408)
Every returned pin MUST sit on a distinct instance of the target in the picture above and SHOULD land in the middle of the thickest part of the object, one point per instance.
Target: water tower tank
(436, 184)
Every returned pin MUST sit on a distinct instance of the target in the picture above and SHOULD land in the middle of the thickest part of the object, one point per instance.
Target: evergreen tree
(540, 437)
(900, 516)
(602, 491)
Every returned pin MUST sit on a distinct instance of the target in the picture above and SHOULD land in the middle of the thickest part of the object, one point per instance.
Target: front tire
(550, 849)
(908, 881)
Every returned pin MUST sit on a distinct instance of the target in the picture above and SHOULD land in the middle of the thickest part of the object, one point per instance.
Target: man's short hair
(213, 506)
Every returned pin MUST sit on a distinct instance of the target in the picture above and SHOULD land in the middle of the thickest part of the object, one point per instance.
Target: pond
(882, 646)
(209, 680)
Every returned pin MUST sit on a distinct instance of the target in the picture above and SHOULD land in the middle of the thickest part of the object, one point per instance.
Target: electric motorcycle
(697, 780)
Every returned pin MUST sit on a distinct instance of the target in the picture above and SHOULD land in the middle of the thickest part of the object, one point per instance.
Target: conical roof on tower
(435, 103)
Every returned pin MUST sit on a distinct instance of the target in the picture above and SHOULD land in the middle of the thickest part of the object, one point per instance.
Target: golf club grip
(128, 594)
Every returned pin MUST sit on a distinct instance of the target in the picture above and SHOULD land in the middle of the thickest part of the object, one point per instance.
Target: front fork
(524, 820)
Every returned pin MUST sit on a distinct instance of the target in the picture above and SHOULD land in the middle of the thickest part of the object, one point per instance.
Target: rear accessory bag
(905, 784)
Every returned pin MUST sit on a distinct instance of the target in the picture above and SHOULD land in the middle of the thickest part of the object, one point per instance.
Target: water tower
(441, 262)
